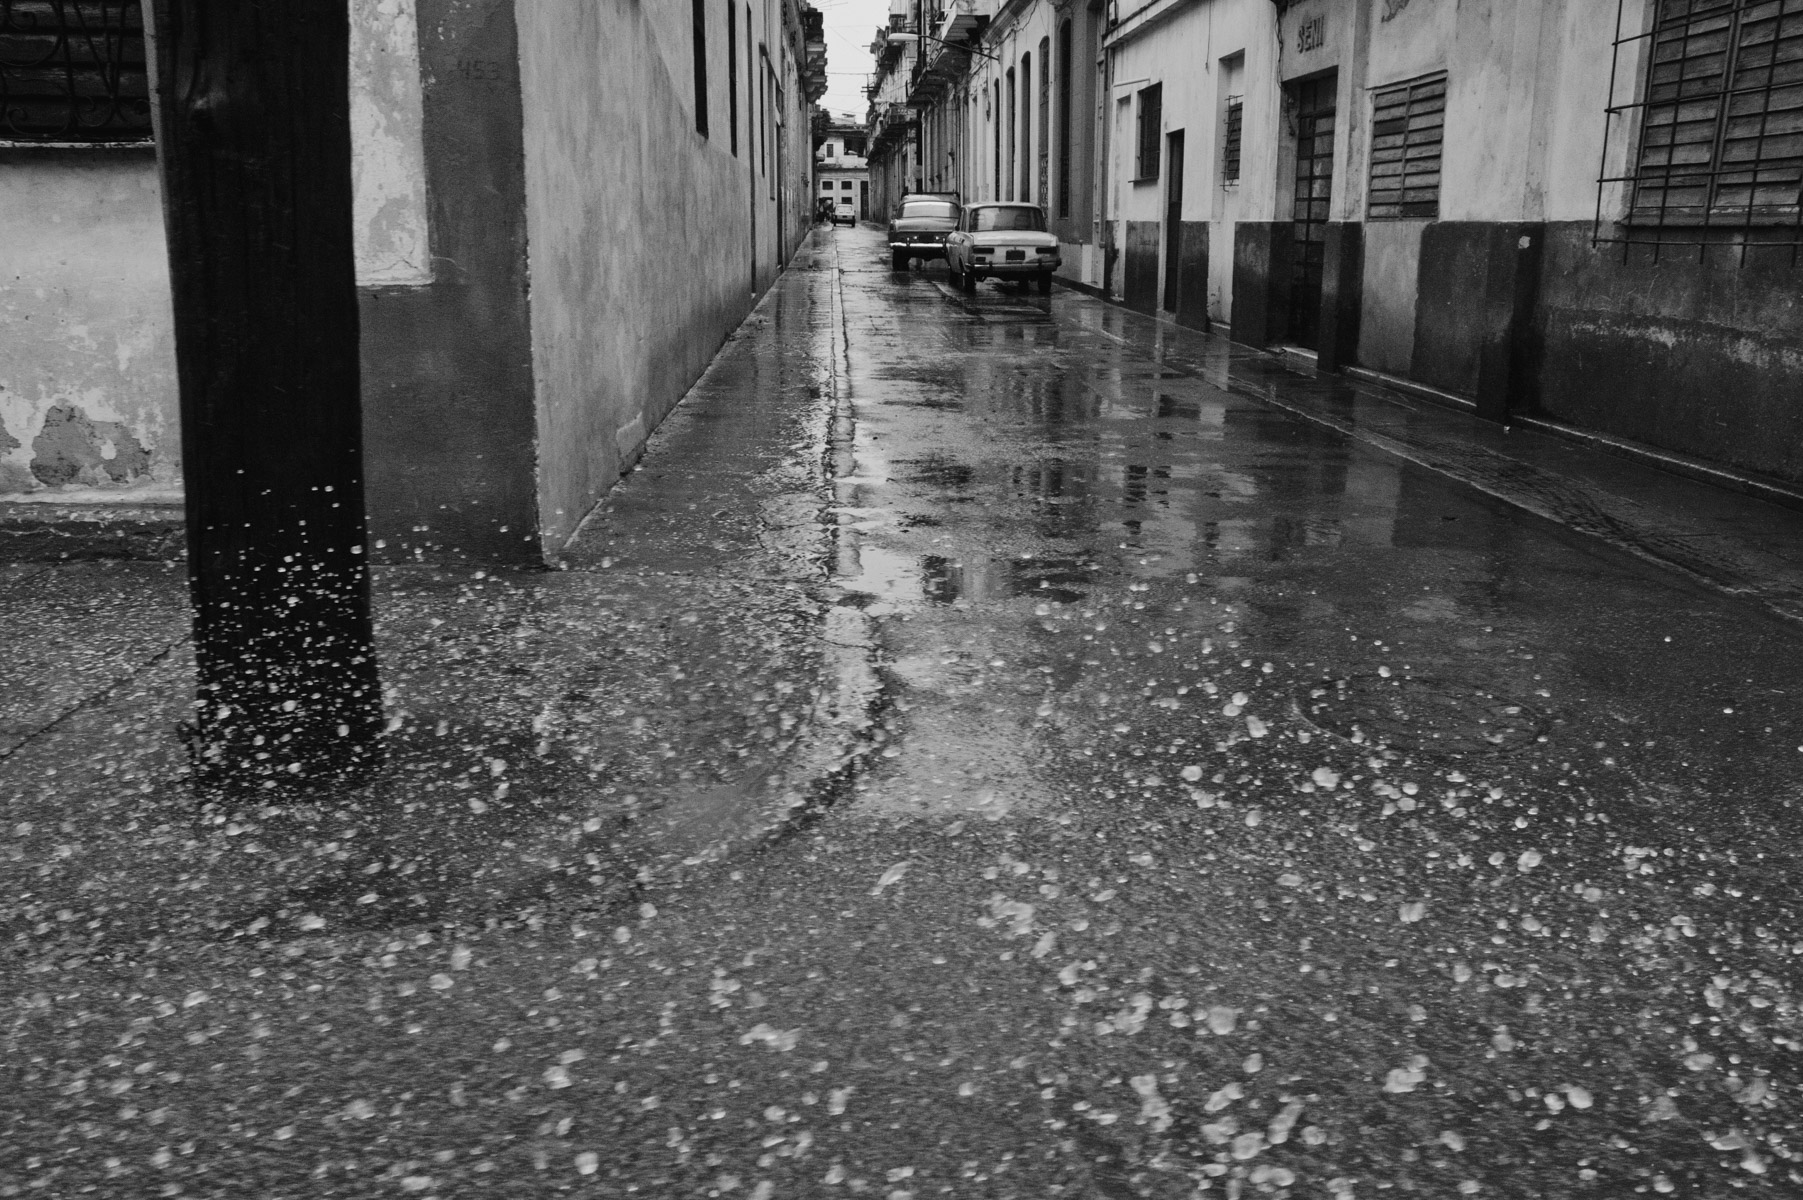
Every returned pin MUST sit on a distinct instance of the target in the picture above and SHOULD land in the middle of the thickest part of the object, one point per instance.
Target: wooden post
(253, 100)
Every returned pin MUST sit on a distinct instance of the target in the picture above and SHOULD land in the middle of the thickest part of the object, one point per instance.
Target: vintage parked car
(919, 227)
(846, 212)
(1002, 240)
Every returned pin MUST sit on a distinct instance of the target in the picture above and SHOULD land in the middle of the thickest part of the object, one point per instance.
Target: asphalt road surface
(1243, 811)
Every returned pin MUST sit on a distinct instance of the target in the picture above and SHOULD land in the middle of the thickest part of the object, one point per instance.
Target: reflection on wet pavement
(1135, 584)
(1246, 809)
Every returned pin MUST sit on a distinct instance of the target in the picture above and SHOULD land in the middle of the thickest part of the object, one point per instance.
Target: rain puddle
(896, 581)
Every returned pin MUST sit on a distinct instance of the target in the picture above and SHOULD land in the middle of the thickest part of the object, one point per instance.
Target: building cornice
(1144, 19)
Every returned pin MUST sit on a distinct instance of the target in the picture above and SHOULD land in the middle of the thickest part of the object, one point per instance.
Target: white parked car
(1002, 240)
(847, 212)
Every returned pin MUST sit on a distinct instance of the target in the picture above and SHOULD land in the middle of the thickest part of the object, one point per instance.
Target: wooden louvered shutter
(1407, 128)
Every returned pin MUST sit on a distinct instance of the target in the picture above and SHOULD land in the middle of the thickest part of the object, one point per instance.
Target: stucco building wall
(548, 255)
(638, 235)
(448, 405)
(830, 185)
(87, 357)
(87, 360)
(1025, 38)
(1200, 55)
(1507, 297)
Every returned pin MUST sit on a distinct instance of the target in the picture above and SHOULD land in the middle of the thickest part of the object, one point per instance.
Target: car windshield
(986, 219)
(928, 208)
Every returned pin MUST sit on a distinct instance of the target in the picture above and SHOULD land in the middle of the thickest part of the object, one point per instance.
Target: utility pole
(253, 101)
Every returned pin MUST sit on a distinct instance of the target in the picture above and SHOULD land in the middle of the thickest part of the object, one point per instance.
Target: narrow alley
(991, 746)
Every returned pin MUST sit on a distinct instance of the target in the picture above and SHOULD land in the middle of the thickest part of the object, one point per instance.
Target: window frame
(1637, 210)
(1232, 140)
(1148, 133)
(698, 14)
(1424, 96)
(122, 74)
(1064, 139)
(732, 72)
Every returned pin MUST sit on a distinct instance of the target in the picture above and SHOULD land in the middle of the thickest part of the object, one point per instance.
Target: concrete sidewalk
(682, 686)
(1736, 541)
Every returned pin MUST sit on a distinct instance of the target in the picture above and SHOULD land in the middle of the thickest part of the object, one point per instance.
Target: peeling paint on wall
(88, 395)
(71, 448)
(87, 363)
(14, 477)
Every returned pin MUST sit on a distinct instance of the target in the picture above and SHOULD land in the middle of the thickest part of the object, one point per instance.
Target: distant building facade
(841, 172)
(1582, 210)
(563, 208)
(891, 145)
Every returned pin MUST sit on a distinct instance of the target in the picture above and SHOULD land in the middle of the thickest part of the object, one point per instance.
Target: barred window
(1721, 139)
(73, 71)
(1407, 124)
(1230, 155)
(1151, 127)
(699, 21)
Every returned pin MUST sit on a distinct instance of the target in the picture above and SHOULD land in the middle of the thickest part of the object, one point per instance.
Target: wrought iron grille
(1230, 144)
(73, 71)
(1713, 129)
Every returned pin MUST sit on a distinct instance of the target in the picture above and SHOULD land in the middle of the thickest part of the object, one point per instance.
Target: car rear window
(987, 219)
(929, 208)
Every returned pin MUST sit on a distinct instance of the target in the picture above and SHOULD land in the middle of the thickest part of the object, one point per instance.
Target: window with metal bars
(1721, 130)
(1151, 131)
(1230, 153)
(699, 16)
(1407, 123)
(1064, 118)
(732, 73)
(73, 71)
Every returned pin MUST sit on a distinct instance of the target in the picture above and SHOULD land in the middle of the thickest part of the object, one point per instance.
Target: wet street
(1176, 796)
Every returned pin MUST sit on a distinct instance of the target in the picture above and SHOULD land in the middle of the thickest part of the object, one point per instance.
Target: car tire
(1045, 283)
(967, 280)
(898, 261)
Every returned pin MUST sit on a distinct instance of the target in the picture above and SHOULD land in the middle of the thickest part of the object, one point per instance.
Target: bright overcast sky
(850, 27)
